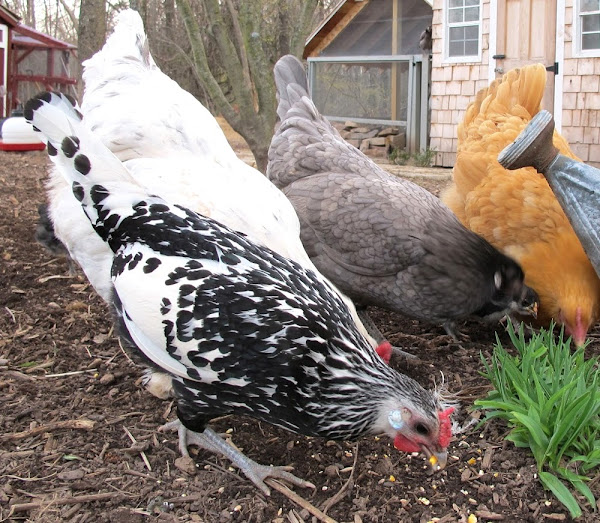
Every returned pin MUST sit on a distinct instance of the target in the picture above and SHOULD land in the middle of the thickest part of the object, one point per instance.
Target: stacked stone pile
(373, 140)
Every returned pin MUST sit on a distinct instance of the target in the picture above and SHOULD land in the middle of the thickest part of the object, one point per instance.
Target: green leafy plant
(420, 159)
(550, 398)
(425, 158)
(399, 156)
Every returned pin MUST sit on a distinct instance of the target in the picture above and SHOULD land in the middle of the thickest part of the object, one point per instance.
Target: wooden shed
(476, 41)
(367, 63)
(30, 61)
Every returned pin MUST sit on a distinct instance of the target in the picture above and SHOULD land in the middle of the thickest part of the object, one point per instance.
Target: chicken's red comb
(445, 427)
(384, 349)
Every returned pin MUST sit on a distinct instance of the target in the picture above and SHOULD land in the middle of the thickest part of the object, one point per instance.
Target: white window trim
(446, 27)
(577, 51)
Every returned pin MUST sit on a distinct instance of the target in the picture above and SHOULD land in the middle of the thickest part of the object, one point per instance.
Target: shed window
(463, 24)
(588, 25)
(345, 91)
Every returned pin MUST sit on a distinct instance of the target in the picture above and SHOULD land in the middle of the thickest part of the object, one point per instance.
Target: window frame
(447, 26)
(578, 52)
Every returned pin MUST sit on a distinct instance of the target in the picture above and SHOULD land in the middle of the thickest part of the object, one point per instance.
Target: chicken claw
(211, 441)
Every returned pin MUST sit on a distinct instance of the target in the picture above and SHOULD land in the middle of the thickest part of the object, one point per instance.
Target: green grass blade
(561, 492)
(550, 399)
(534, 428)
(578, 482)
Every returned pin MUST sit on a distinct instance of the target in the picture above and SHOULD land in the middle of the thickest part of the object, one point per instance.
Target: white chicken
(173, 146)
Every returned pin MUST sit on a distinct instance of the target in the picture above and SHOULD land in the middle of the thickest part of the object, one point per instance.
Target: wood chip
(186, 464)
(74, 424)
(486, 463)
(485, 514)
(22, 507)
(70, 475)
(299, 500)
(53, 277)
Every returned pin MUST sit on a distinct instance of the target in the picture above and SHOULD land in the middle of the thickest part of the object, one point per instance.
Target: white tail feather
(57, 118)
(155, 353)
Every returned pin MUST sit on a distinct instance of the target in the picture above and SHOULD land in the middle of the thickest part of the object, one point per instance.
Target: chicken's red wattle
(403, 444)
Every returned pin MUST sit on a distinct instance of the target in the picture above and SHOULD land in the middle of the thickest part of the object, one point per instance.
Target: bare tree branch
(201, 61)
(241, 46)
(71, 13)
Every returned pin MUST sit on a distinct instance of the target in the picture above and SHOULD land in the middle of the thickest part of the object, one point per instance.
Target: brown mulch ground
(78, 438)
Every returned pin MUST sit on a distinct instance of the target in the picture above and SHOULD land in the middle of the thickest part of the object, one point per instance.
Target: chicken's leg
(211, 441)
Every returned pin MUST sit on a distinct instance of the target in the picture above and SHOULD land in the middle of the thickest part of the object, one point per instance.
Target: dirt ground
(79, 438)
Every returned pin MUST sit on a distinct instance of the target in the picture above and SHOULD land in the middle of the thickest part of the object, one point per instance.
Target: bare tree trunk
(169, 8)
(92, 28)
(31, 13)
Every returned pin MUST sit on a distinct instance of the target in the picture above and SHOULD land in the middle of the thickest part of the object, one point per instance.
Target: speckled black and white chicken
(382, 240)
(172, 145)
(239, 328)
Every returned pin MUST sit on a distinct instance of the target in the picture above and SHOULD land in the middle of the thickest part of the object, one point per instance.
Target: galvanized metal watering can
(575, 184)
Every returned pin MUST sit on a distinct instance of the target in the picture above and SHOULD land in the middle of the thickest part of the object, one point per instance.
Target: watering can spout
(575, 184)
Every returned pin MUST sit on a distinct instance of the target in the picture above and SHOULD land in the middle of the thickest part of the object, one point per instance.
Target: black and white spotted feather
(240, 328)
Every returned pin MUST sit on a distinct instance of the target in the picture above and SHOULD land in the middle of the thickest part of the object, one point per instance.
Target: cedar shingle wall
(453, 87)
(581, 97)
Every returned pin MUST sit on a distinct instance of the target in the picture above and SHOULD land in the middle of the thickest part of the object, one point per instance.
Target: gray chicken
(383, 240)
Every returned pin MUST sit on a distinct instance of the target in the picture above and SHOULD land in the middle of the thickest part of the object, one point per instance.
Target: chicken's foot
(452, 331)
(211, 441)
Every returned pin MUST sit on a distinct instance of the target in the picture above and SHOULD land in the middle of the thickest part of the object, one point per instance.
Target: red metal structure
(30, 62)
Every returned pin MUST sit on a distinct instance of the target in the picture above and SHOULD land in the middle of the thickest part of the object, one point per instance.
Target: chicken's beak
(437, 460)
(532, 310)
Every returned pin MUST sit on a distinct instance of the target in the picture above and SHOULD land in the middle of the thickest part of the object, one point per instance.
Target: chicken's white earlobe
(395, 419)
(398, 418)
(498, 280)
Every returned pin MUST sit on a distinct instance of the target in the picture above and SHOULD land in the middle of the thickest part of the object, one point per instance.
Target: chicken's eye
(422, 429)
